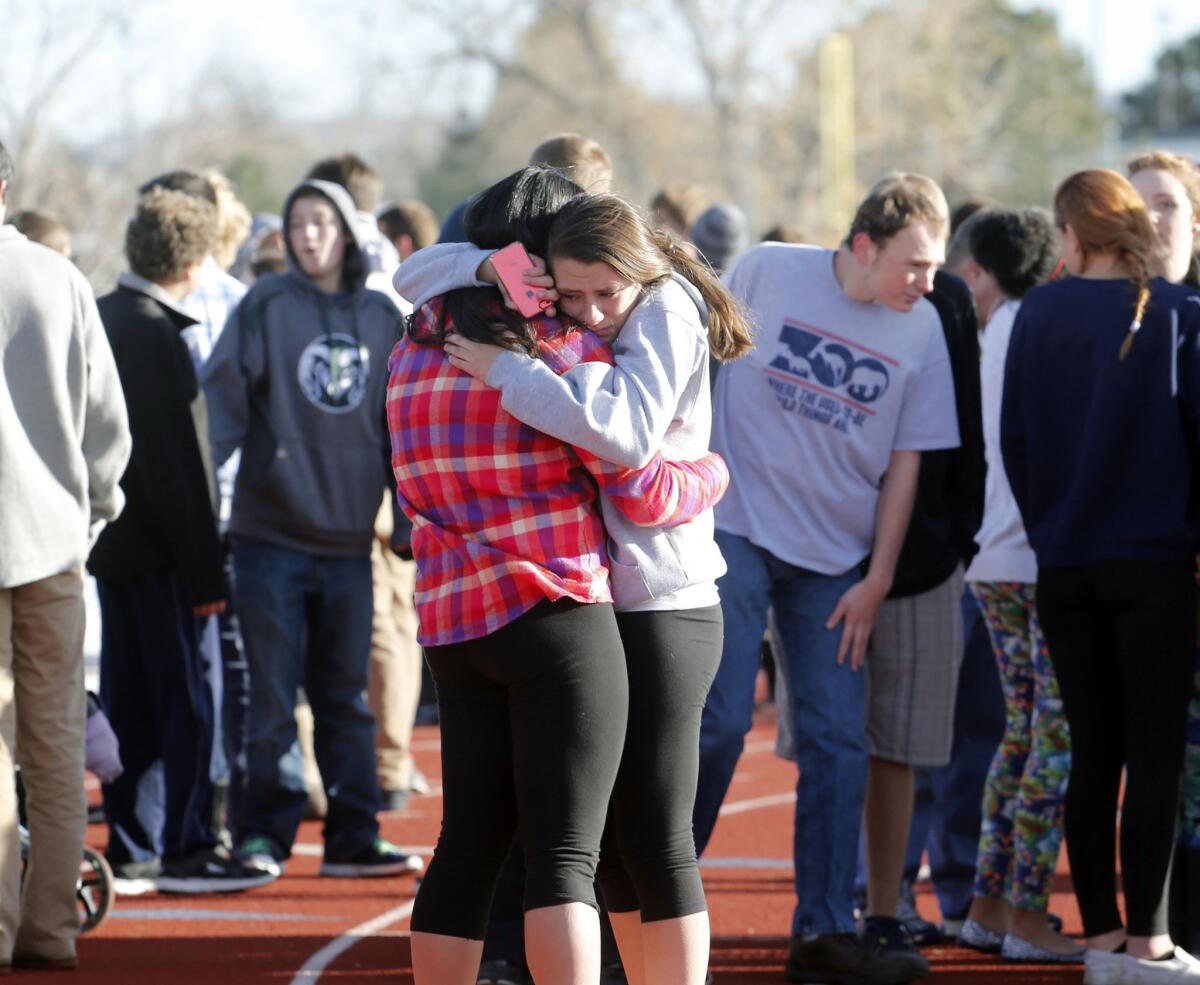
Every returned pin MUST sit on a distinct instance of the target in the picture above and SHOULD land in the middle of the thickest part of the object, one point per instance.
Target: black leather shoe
(887, 935)
(843, 959)
(502, 973)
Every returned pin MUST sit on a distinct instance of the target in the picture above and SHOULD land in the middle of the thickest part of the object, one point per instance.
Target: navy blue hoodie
(1101, 452)
(298, 381)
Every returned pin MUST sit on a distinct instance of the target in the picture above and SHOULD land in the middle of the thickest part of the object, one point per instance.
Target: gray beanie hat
(721, 233)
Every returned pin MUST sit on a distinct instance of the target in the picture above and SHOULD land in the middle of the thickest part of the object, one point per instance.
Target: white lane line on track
(761, 745)
(742, 806)
(312, 968)
(314, 850)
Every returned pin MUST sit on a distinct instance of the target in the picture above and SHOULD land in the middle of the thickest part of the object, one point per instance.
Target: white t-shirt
(808, 420)
(1004, 551)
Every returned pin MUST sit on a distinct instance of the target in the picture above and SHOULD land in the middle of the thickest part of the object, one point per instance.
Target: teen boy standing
(297, 381)
(822, 427)
(158, 568)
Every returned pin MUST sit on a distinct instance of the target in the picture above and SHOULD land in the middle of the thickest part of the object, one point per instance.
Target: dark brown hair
(607, 229)
(896, 201)
(168, 233)
(410, 218)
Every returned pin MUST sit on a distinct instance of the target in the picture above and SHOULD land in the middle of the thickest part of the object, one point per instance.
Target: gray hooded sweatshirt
(298, 381)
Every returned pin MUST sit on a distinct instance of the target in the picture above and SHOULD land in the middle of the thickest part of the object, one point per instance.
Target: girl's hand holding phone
(535, 276)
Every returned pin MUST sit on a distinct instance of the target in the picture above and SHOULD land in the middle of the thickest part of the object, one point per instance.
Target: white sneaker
(1103, 968)
(1181, 968)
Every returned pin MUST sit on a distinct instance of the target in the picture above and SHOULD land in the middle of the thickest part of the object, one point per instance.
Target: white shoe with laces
(1180, 967)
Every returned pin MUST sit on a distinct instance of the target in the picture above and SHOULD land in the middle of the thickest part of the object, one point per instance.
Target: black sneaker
(211, 870)
(260, 854)
(923, 932)
(887, 935)
(843, 959)
(502, 973)
(380, 858)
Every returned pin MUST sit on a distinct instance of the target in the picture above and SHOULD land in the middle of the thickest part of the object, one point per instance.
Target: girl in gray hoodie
(663, 313)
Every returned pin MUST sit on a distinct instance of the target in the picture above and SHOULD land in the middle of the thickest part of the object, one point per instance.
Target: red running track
(303, 929)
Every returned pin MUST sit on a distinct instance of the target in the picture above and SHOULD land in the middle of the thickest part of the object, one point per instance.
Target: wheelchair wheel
(94, 891)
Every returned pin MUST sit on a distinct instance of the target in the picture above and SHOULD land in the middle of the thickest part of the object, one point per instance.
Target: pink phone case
(511, 264)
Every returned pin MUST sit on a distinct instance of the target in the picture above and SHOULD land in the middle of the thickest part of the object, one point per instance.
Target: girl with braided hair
(1100, 434)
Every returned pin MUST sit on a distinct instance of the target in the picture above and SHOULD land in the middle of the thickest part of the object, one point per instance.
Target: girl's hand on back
(473, 358)
(536, 277)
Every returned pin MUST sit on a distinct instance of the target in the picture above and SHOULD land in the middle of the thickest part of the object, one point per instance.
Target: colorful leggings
(1027, 784)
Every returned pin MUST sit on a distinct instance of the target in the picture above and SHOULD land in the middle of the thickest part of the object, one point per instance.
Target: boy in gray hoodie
(297, 381)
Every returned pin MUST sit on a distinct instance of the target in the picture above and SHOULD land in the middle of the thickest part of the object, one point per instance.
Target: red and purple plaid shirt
(505, 516)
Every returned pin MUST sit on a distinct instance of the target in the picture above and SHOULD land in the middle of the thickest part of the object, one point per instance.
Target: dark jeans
(1120, 635)
(533, 722)
(306, 622)
(648, 854)
(158, 701)
(235, 695)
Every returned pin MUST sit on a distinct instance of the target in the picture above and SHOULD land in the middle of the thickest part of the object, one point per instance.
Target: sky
(309, 56)
(1123, 37)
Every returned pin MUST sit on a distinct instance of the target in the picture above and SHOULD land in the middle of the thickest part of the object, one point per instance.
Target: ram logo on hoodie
(333, 373)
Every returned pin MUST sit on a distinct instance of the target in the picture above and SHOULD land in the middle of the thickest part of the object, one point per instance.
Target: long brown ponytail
(607, 229)
(1107, 215)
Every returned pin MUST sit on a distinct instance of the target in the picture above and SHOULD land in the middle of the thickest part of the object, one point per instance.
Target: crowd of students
(359, 457)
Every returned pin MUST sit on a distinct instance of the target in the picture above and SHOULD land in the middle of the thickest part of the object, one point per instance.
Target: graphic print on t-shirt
(333, 372)
(827, 378)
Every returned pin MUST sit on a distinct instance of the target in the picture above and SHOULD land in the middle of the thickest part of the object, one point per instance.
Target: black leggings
(648, 856)
(533, 722)
(1120, 635)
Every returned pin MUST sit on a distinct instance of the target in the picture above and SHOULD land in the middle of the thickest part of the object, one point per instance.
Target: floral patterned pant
(1027, 783)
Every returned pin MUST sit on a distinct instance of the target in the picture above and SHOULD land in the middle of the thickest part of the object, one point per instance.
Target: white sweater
(1004, 551)
(64, 436)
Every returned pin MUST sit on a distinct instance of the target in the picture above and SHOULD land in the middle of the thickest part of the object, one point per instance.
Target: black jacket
(168, 522)
(950, 491)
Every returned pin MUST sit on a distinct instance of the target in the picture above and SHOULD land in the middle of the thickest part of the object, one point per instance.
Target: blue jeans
(828, 718)
(306, 622)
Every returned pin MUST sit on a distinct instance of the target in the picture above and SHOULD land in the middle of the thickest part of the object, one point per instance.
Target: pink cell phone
(510, 264)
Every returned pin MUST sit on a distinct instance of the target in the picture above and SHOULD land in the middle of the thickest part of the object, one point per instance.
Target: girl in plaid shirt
(665, 313)
(513, 597)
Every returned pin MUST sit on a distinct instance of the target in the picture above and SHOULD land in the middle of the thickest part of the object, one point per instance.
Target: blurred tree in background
(983, 98)
(1170, 101)
(986, 99)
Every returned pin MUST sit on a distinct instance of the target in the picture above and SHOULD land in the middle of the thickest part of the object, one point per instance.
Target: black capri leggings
(648, 856)
(1120, 635)
(533, 722)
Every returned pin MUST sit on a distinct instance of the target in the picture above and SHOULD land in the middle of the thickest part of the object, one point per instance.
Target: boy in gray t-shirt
(822, 427)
